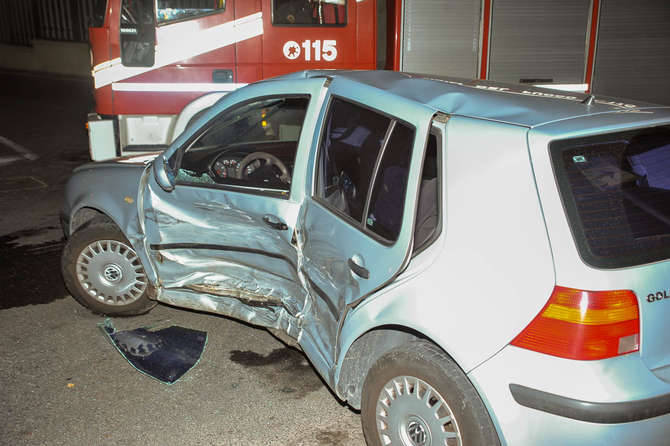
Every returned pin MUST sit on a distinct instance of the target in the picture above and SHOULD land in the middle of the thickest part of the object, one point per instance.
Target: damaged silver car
(439, 249)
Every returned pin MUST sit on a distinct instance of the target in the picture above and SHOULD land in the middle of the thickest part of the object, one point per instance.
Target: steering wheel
(270, 161)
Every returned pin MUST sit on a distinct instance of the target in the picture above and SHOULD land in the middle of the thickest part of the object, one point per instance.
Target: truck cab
(151, 58)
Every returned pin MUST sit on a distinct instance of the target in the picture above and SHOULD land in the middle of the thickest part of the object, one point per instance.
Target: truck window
(309, 12)
(97, 13)
(137, 12)
(172, 10)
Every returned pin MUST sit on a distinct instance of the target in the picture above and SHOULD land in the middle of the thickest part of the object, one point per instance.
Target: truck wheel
(415, 395)
(103, 272)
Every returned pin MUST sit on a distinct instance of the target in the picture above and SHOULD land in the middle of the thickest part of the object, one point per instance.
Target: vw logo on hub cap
(417, 433)
(112, 273)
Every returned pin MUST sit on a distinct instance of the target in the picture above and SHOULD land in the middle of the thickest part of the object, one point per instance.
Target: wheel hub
(416, 432)
(411, 412)
(112, 273)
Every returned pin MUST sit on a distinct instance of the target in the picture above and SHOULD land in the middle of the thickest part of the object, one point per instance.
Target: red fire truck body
(153, 57)
(158, 63)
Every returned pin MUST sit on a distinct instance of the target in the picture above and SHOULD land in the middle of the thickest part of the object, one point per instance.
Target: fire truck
(157, 64)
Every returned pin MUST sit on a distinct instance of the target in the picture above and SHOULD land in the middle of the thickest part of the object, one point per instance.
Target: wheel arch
(86, 214)
(358, 357)
(364, 351)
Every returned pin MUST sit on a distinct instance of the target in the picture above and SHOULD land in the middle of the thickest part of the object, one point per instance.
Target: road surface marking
(22, 152)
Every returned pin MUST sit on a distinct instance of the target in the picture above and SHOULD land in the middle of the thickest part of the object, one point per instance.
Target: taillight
(587, 325)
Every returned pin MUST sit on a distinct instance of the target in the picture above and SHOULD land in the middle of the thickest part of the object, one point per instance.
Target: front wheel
(104, 273)
(415, 395)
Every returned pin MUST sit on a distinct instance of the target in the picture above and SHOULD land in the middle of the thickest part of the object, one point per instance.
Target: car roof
(510, 103)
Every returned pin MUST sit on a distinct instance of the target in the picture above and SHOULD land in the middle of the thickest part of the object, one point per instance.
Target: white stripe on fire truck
(576, 88)
(173, 50)
(174, 87)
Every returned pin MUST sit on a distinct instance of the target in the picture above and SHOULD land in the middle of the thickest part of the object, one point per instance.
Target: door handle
(274, 222)
(359, 270)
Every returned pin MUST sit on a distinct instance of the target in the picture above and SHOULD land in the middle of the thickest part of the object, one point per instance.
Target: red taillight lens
(587, 325)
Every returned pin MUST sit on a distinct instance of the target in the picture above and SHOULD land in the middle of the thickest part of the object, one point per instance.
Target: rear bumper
(536, 399)
(609, 413)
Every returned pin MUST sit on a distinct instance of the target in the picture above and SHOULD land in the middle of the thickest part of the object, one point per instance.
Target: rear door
(355, 230)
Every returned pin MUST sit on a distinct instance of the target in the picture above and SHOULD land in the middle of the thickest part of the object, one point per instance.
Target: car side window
(250, 147)
(385, 211)
(172, 10)
(350, 145)
(426, 226)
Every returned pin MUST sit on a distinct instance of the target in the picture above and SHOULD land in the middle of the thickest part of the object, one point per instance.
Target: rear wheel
(415, 395)
(104, 273)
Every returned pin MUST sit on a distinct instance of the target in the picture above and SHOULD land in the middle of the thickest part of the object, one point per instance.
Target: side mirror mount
(163, 174)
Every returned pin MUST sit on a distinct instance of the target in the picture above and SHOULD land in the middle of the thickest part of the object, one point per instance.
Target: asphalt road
(62, 382)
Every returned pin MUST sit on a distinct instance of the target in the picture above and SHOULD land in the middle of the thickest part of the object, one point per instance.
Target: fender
(91, 186)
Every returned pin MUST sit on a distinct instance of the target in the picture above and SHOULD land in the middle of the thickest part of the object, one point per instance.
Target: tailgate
(615, 189)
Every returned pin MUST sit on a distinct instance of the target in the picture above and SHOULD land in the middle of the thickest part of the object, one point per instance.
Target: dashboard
(266, 164)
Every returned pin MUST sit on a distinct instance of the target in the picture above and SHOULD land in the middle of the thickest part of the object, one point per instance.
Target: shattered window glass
(251, 146)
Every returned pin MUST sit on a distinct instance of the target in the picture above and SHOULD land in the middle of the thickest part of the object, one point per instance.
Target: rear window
(616, 191)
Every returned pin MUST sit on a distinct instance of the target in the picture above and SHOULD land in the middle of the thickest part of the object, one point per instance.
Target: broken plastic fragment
(165, 354)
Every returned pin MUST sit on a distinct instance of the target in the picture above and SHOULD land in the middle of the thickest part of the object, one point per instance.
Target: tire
(103, 273)
(402, 395)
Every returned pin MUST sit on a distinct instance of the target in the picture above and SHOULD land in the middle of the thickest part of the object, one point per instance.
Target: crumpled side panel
(270, 317)
(201, 272)
(214, 252)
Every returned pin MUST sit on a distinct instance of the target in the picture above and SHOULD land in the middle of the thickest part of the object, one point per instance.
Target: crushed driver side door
(223, 240)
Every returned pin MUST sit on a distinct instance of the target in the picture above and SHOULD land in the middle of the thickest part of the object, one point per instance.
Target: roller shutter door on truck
(632, 54)
(441, 37)
(539, 41)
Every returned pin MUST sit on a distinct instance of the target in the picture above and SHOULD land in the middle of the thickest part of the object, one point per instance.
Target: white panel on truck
(539, 41)
(441, 37)
(633, 50)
